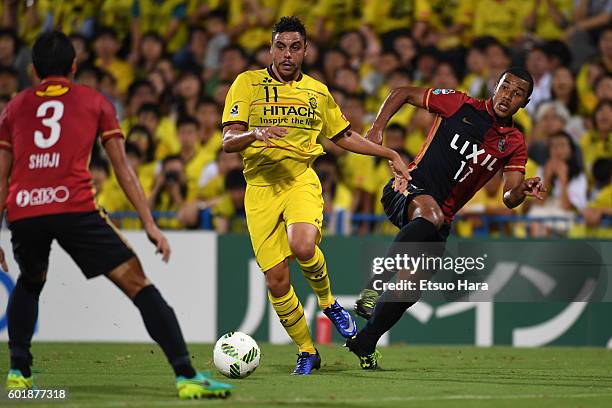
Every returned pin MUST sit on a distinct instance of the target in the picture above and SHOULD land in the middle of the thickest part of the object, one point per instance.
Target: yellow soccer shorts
(271, 209)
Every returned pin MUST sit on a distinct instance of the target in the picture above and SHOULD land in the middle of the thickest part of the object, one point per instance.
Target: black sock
(417, 230)
(161, 323)
(386, 314)
(22, 312)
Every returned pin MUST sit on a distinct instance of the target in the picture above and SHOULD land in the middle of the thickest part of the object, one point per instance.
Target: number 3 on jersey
(52, 122)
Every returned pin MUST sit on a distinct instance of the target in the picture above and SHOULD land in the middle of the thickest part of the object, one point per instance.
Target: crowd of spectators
(167, 67)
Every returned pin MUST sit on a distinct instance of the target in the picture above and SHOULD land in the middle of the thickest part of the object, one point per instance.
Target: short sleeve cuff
(111, 134)
(426, 98)
(342, 132)
(515, 168)
(234, 122)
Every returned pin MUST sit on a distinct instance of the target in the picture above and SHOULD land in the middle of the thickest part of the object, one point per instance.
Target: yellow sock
(315, 271)
(291, 315)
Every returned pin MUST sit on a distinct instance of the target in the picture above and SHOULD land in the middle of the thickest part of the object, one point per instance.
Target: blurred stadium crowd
(167, 66)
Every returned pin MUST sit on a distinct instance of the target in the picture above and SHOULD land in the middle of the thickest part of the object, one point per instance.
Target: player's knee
(130, 277)
(277, 282)
(135, 286)
(303, 249)
(434, 216)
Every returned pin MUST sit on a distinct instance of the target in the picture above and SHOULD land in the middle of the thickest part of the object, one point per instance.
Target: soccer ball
(236, 355)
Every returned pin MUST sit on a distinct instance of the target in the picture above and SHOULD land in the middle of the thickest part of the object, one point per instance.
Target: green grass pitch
(136, 375)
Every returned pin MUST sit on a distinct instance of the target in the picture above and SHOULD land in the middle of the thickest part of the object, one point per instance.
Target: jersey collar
(273, 75)
(501, 128)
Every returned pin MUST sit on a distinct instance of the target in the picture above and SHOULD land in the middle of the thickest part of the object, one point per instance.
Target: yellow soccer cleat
(201, 386)
(16, 381)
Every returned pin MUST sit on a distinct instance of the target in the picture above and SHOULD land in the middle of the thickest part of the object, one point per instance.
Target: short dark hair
(139, 83)
(106, 31)
(237, 48)
(206, 100)
(187, 120)
(602, 171)
(289, 24)
(149, 154)
(505, 50)
(88, 68)
(573, 163)
(522, 74)
(53, 54)
(540, 47)
(234, 180)
(149, 108)
(326, 159)
(132, 149)
(9, 70)
(600, 78)
(10, 33)
(100, 163)
(600, 105)
(172, 157)
(398, 128)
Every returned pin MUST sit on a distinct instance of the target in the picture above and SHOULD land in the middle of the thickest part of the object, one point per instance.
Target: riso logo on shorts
(42, 196)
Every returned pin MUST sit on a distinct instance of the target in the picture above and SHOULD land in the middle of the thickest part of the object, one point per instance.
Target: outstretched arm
(115, 148)
(516, 188)
(236, 137)
(354, 142)
(396, 99)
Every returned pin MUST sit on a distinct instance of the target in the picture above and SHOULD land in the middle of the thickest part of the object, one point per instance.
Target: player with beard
(273, 117)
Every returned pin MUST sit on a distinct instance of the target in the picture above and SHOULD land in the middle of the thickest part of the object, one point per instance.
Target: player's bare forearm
(396, 99)
(517, 188)
(513, 198)
(237, 138)
(513, 194)
(127, 179)
(354, 142)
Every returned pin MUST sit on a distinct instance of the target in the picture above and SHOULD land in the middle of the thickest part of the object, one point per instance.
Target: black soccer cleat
(364, 306)
(367, 361)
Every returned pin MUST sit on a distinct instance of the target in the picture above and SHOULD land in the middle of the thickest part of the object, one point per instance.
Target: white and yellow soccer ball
(236, 355)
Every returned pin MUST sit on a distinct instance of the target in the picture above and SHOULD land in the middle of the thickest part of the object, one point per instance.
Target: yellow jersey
(602, 201)
(502, 19)
(594, 147)
(385, 16)
(122, 71)
(304, 107)
(193, 170)
(340, 15)
(213, 145)
(156, 15)
(255, 35)
(225, 208)
(546, 28)
(116, 14)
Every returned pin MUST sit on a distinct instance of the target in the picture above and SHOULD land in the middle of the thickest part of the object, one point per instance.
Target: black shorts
(88, 237)
(395, 205)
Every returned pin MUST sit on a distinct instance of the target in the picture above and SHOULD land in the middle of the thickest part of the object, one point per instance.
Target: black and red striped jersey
(465, 147)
